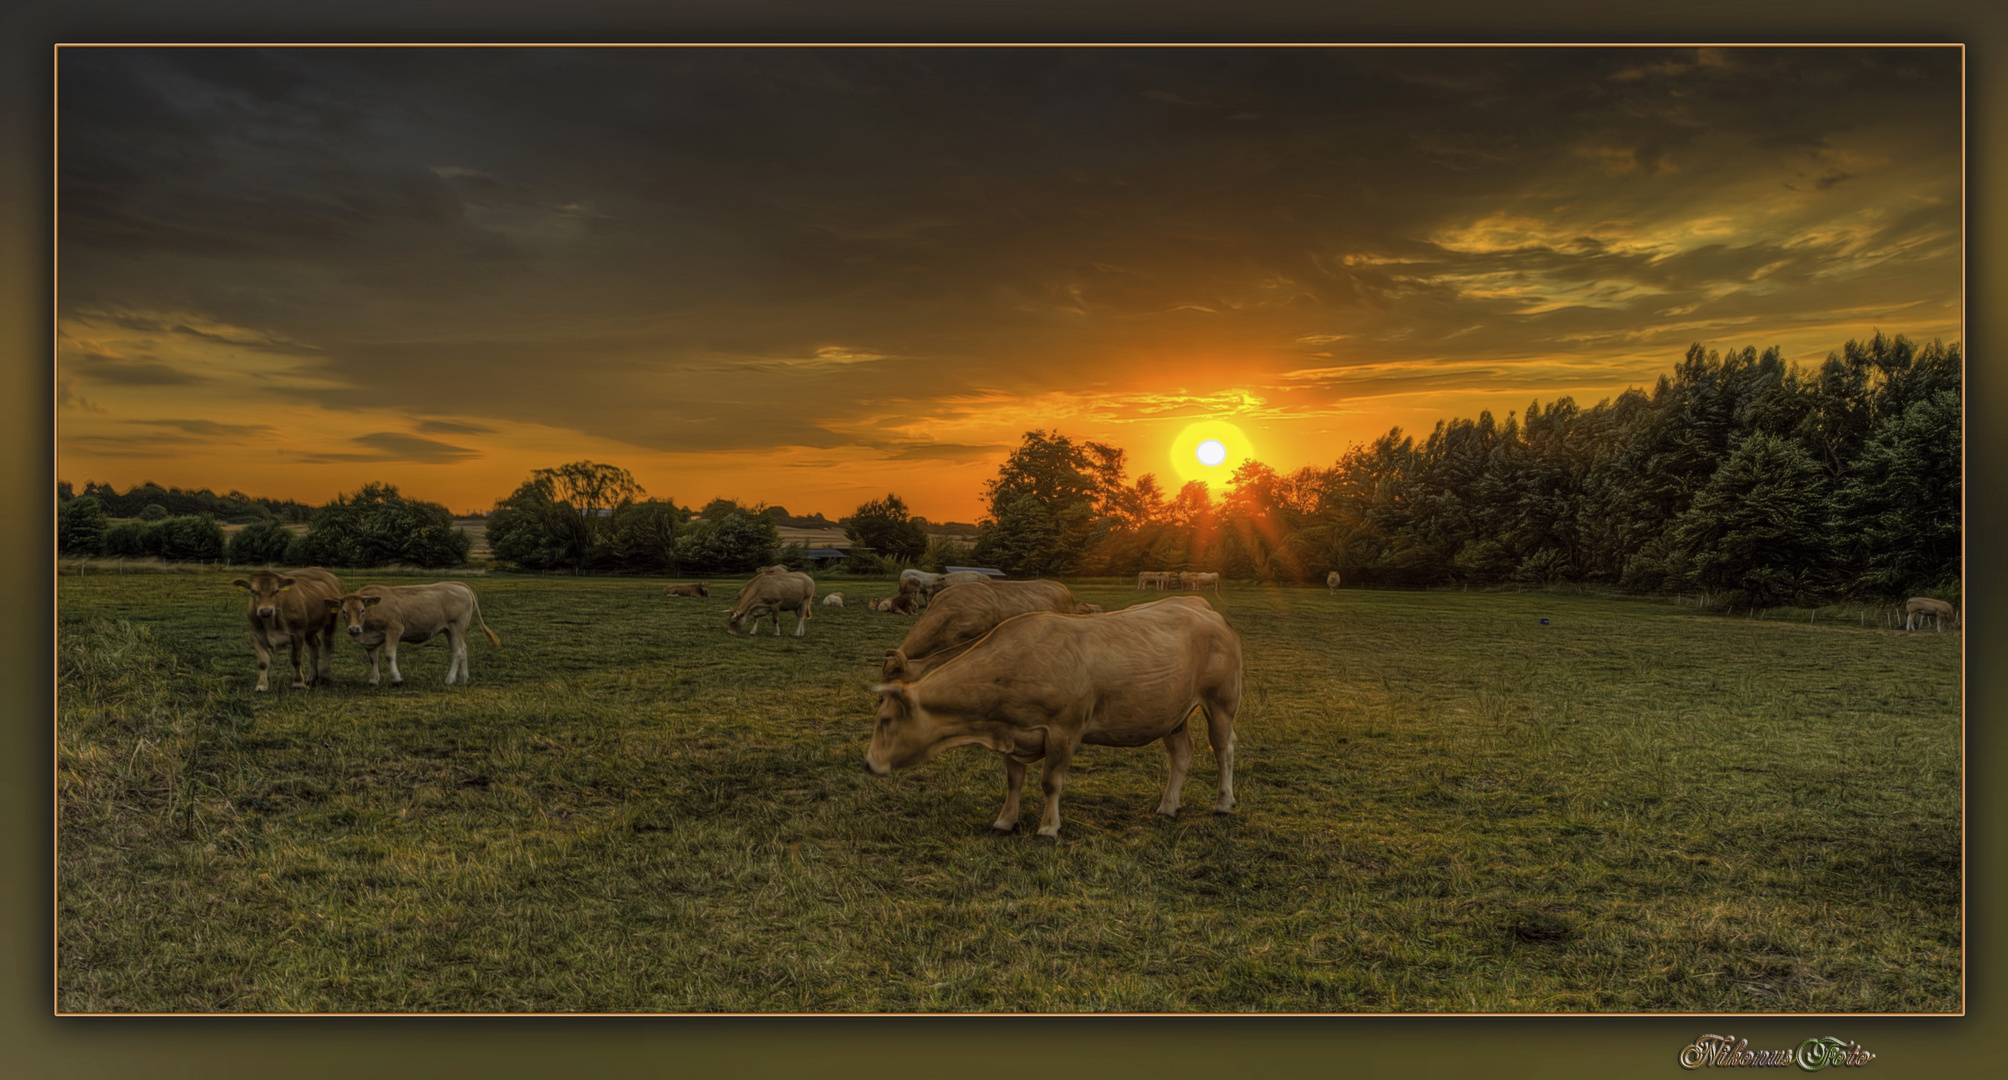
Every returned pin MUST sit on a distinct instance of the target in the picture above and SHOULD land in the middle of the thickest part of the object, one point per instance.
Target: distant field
(1445, 805)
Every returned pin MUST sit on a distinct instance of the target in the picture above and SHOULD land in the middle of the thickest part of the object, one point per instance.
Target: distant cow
(903, 604)
(1920, 606)
(770, 594)
(918, 580)
(835, 599)
(380, 616)
(702, 588)
(1201, 581)
(1040, 686)
(1087, 609)
(777, 569)
(966, 612)
(287, 609)
(1332, 581)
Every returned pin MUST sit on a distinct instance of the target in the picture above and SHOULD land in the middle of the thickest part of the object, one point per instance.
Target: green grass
(1443, 806)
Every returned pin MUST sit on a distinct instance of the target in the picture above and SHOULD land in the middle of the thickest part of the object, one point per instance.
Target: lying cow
(702, 588)
(835, 599)
(903, 604)
(917, 581)
(1332, 581)
(770, 594)
(1041, 685)
(379, 617)
(966, 612)
(1921, 606)
(1087, 609)
(287, 609)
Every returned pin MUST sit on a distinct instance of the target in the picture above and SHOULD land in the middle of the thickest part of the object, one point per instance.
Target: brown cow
(378, 617)
(903, 604)
(964, 613)
(1332, 581)
(1041, 685)
(702, 588)
(1920, 606)
(771, 594)
(286, 609)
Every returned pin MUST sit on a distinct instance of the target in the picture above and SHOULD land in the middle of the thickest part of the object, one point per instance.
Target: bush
(263, 543)
(193, 538)
(943, 553)
(376, 526)
(643, 536)
(81, 525)
(736, 541)
(131, 540)
(153, 512)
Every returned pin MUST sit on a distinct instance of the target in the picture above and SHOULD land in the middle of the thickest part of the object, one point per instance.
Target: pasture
(1444, 806)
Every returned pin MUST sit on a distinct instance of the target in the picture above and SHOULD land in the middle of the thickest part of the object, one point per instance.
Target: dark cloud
(389, 446)
(115, 371)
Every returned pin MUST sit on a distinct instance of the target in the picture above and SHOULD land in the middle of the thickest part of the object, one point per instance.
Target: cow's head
(903, 735)
(349, 609)
(264, 587)
(740, 615)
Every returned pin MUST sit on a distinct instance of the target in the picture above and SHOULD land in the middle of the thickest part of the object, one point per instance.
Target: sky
(807, 277)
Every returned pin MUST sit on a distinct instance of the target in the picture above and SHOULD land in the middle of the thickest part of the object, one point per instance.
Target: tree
(730, 539)
(1760, 525)
(885, 527)
(1022, 539)
(190, 538)
(376, 526)
(1080, 492)
(81, 525)
(1898, 510)
(643, 537)
(263, 543)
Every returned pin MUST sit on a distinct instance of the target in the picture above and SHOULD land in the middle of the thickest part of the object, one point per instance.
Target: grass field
(1444, 805)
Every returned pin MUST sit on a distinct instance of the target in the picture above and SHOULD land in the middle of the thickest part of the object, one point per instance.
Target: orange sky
(809, 280)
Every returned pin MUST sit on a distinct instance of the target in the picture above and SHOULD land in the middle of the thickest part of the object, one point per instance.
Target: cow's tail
(492, 639)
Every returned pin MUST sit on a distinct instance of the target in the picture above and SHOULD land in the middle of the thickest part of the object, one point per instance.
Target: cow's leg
(325, 669)
(376, 673)
(299, 676)
(801, 619)
(456, 653)
(1014, 786)
(391, 635)
(1179, 745)
(1220, 732)
(1052, 778)
(264, 660)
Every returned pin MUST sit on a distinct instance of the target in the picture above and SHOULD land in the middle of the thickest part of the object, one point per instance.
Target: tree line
(1737, 475)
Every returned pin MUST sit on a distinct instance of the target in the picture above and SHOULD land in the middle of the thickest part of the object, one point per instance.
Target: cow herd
(1187, 580)
(302, 609)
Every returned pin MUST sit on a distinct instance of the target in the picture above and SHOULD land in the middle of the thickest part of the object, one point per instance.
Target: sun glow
(1209, 450)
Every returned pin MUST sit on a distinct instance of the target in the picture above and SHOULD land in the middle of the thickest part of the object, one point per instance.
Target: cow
(903, 604)
(286, 609)
(379, 617)
(917, 580)
(776, 569)
(702, 588)
(966, 612)
(1152, 579)
(1332, 581)
(770, 594)
(1041, 685)
(1201, 581)
(1087, 609)
(835, 599)
(1172, 579)
(1920, 606)
(1143, 578)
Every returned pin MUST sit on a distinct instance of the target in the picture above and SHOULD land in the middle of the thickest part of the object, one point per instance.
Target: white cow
(380, 616)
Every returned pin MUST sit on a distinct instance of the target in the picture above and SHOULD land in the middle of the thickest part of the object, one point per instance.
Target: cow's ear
(372, 601)
(285, 583)
(896, 689)
(241, 583)
(332, 604)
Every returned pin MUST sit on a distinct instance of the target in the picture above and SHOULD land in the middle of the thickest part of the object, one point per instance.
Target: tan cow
(776, 569)
(964, 613)
(286, 609)
(702, 588)
(835, 599)
(770, 594)
(1041, 685)
(1201, 581)
(380, 617)
(903, 604)
(1920, 606)
(918, 581)
(1332, 581)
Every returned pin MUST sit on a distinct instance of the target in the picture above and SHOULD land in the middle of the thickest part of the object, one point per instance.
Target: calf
(380, 616)
(835, 599)
(702, 588)
(287, 609)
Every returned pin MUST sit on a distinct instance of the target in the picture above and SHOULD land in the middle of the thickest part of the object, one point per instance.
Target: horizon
(810, 277)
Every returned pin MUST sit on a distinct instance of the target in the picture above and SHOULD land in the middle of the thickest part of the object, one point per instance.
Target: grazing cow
(771, 594)
(381, 616)
(1143, 578)
(903, 604)
(286, 609)
(966, 612)
(1087, 609)
(1332, 581)
(917, 580)
(702, 588)
(1039, 686)
(835, 599)
(1201, 581)
(773, 570)
(1920, 606)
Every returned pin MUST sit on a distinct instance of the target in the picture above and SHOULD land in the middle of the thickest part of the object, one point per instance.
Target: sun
(1209, 450)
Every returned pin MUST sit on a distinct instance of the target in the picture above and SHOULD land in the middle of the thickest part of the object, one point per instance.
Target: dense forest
(1737, 476)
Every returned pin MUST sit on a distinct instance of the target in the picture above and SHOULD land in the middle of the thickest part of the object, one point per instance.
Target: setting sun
(1209, 450)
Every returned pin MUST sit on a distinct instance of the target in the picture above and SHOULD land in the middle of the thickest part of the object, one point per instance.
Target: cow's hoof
(999, 830)
(1218, 812)
(1054, 836)
(259, 689)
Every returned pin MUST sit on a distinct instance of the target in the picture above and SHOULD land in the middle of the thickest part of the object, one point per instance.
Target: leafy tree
(1899, 508)
(1023, 539)
(1080, 493)
(81, 525)
(132, 540)
(153, 512)
(643, 536)
(1760, 525)
(729, 539)
(376, 526)
(262, 543)
(190, 538)
(884, 526)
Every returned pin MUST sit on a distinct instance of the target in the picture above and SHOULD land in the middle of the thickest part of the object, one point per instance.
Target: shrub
(193, 538)
(132, 540)
(81, 525)
(263, 543)
(376, 526)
